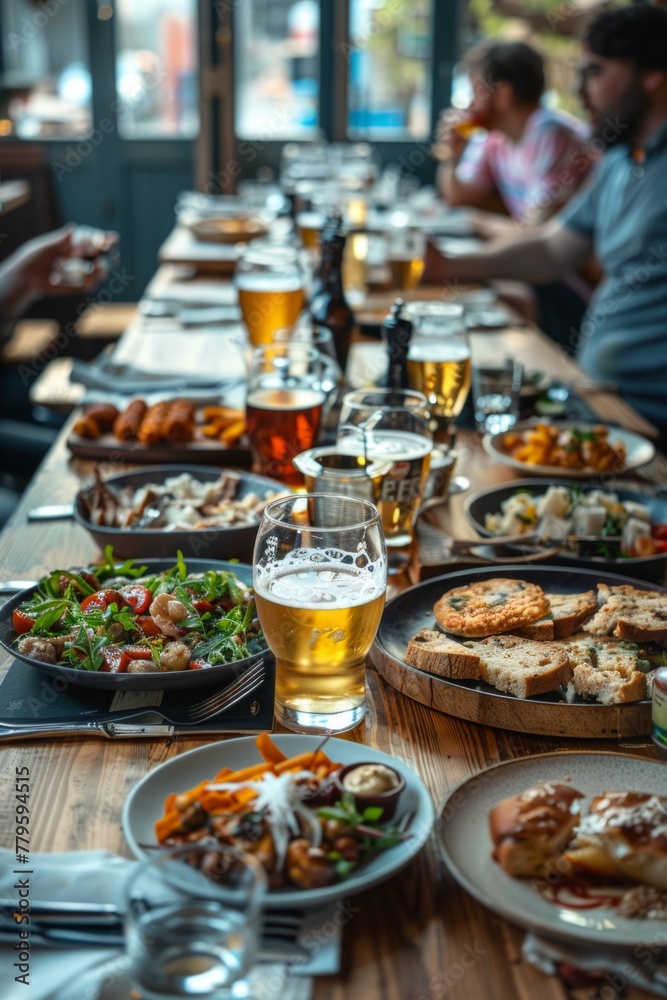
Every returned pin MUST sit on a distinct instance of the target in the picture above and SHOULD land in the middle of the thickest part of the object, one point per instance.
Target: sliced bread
(523, 667)
(567, 614)
(438, 654)
(637, 615)
(490, 606)
(605, 669)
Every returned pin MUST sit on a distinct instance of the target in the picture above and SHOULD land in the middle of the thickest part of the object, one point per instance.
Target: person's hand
(61, 263)
(437, 267)
(451, 142)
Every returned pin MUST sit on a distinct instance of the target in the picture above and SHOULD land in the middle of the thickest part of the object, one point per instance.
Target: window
(277, 69)
(156, 69)
(46, 82)
(389, 75)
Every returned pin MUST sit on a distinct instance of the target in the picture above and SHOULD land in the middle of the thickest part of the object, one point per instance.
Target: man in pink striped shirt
(532, 158)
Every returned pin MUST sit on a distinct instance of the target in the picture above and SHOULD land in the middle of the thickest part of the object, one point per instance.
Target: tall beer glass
(391, 425)
(439, 361)
(320, 573)
(284, 403)
(270, 281)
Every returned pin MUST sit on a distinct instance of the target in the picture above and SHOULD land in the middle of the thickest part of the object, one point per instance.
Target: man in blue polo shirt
(621, 214)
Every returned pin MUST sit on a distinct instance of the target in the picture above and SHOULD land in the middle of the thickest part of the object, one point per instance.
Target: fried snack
(233, 432)
(570, 448)
(223, 415)
(530, 830)
(179, 424)
(151, 430)
(490, 606)
(87, 427)
(104, 415)
(126, 426)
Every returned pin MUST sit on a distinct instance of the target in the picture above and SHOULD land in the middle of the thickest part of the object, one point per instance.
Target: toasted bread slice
(438, 654)
(490, 606)
(605, 668)
(523, 667)
(643, 612)
(567, 614)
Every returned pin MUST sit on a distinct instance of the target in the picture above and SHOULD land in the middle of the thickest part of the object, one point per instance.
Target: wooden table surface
(408, 939)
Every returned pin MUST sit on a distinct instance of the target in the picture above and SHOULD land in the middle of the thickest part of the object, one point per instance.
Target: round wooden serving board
(476, 701)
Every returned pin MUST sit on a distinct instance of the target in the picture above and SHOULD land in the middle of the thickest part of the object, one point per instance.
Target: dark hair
(511, 62)
(637, 33)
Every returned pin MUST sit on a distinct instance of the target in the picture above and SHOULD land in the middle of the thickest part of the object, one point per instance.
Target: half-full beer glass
(391, 425)
(320, 574)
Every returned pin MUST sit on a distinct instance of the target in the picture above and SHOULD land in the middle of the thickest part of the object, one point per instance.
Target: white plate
(487, 319)
(467, 843)
(145, 805)
(639, 451)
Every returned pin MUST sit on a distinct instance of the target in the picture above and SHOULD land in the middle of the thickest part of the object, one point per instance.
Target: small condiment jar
(387, 800)
(660, 712)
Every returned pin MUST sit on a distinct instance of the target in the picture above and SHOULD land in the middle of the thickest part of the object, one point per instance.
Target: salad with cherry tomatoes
(122, 619)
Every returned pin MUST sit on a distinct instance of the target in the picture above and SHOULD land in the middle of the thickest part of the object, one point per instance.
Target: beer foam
(322, 578)
(280, 398)
(397, 446)
(437, 350)
(268, 282)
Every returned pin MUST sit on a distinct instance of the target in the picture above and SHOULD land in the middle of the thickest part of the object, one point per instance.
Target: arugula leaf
(88, 645)
(109, 567)
(372, 814)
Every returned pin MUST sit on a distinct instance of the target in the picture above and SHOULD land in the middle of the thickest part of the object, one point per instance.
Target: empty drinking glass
(496, 389)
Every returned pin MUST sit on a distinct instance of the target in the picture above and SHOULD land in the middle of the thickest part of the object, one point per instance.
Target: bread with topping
(567, 613)
(438, 654)
(489, 607)
(523, 667)
(531, 830)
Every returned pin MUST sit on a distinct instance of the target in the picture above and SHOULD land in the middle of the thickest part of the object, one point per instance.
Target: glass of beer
(320, 575)
(284, 403)
(270, 282)
(438, 362)
(407, 250)
(391, 425)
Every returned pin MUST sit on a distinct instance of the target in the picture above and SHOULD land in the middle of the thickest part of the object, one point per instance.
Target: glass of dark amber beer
(320, 574)
(284, 404)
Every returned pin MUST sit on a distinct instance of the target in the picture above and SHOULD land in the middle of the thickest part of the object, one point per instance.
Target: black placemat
(28, 695)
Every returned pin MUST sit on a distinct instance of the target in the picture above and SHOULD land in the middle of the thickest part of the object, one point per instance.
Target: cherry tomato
(138, 652)
(660, 545)
(148, 625)
(115, 660)
(202, 606)
(22, 622)
(659, 531)
(102, 599)
(645, 547)
(199, 664)
(139, 598)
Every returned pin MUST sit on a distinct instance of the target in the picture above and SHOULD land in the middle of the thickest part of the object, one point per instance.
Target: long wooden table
(405, 939)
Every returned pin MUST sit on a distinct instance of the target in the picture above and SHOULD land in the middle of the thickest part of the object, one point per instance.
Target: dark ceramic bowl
(388, 801)
(235, 541)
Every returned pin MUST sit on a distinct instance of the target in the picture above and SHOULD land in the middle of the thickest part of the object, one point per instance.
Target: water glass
(284, 404)
(496, 389)
(193, 919)
(320, 575)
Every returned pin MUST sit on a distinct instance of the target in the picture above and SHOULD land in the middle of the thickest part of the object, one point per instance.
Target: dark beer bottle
(328, 305)
(397, 331)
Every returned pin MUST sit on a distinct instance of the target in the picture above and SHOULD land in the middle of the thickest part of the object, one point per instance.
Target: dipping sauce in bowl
(372, 784)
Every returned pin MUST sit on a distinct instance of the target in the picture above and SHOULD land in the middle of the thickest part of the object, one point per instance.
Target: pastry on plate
(490, 606)
(530, 830)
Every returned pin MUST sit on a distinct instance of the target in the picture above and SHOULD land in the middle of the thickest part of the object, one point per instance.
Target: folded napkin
(619, 968)
(101, 877)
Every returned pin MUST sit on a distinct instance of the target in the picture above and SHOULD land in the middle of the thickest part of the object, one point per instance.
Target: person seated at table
(34, 271)
(533, 159)
(621, 214)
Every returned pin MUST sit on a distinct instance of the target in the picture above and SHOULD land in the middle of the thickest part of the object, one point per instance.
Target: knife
(108, 730)
(51, 512)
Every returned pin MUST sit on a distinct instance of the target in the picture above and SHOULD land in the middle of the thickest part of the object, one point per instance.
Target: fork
(191, 715)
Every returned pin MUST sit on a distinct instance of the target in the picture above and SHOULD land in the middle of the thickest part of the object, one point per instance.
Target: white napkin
(619, 967)
(101, 877)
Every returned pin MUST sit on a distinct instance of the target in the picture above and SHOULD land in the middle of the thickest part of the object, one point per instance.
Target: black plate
(412, 610)
(233, 542)
(489, 501)
(163, 681)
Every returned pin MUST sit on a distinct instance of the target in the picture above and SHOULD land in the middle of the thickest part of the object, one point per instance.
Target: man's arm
(542, 256)
(456, 192)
